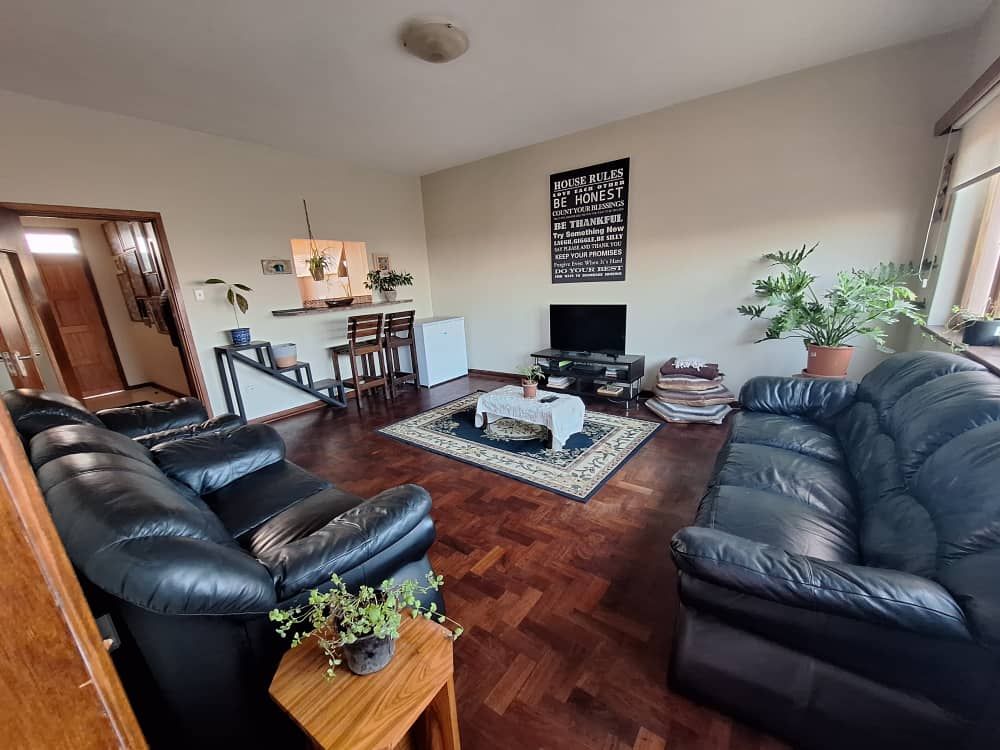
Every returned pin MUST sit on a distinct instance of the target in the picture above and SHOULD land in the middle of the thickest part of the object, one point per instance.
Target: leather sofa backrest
(33, 411)
(137, 534)
(154, 417)
(923, 442)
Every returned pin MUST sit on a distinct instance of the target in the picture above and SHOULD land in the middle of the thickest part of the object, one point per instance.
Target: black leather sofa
(189, 543)
(841, 584)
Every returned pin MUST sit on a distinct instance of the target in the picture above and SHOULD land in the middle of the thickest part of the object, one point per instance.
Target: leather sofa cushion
(82, 438)
(817, 400)
(215, 424)
(134, 421)
(210, 461)
(34, 411)
(780, 521)
(300, 520)
(349, 539)
(790, 433)
(246, 503)
(815, 482)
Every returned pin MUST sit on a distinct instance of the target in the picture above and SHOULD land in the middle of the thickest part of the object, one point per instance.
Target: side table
(409, 704)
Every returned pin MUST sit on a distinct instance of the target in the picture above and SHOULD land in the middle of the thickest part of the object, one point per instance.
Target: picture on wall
(589, 219)
(381, 262)
(276, 266)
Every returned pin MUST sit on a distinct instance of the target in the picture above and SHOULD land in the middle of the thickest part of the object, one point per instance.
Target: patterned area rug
(518, 450)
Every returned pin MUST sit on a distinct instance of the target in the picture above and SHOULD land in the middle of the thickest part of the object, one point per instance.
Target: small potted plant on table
(360, 628)
(387, 282)
(977, 330)
(860, 303)
(240, 334)
(530, 376)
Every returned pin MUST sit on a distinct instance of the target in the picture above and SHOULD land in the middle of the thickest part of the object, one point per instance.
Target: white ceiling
(327, 77)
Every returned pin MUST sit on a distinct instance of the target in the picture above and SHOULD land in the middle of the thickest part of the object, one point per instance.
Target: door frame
(88, 272)
(187, 350)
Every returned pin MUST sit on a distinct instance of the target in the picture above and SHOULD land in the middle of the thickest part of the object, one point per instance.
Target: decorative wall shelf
(294, 311)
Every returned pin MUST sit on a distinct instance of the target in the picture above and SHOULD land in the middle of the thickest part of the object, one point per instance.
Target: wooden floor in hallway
(568, 607)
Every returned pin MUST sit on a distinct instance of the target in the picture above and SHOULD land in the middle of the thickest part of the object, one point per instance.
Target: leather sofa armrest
(210, 461)
(133, 421)
(348, 540)
(215, 424)
(887, 597)
(819, 400)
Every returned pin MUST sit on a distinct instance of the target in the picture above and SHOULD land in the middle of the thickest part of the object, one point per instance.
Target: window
(52, 243)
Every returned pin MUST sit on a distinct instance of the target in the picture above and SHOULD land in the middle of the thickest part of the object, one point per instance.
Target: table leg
(441, 720)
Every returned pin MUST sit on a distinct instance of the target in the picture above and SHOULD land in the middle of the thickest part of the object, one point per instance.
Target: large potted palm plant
(860, 303)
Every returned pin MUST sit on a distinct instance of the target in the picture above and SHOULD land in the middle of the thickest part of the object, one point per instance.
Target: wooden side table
(409, 704)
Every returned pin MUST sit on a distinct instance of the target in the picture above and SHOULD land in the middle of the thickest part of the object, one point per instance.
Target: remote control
(547, 399)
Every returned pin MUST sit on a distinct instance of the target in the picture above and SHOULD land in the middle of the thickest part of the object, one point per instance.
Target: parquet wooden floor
(568, 608)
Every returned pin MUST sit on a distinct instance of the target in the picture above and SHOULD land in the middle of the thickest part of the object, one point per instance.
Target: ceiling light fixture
(434, 41)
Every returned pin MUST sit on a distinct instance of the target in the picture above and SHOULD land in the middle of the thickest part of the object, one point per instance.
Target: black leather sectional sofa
(188, 531)
(841, 584)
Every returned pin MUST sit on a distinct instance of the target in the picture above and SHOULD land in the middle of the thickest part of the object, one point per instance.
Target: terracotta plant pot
(828, 361)
(369, 655)
(530, 389)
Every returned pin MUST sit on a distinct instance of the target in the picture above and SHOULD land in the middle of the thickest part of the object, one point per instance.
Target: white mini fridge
(440, 345)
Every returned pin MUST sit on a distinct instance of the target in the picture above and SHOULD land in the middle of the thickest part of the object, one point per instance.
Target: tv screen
(587, 328)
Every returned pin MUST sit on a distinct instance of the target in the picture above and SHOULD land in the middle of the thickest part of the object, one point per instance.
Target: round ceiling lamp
(433, 41)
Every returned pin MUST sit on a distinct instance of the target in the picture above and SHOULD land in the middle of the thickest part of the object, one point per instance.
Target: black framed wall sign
(589, 222)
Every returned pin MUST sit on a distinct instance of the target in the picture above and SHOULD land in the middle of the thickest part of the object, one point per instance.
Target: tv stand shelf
(589, 372)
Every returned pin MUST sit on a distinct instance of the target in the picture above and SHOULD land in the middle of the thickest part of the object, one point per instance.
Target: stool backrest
(362, 328)
(399, 322)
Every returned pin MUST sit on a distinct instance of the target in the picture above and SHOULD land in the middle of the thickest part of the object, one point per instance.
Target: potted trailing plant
(387, 282)
(977, 330)
(318, 263)
(860, 303)
(239, 334)
(530, 376)
(360, 628)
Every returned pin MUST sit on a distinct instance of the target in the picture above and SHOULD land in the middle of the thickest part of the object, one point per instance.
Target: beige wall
(985, 47)
(841, 154)
(146, 356)
(225, 205)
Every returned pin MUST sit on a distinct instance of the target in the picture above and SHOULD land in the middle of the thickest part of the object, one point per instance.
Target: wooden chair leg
(357, 381)
(385, 377)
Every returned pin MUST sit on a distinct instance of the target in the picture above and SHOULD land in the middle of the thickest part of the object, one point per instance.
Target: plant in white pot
(360, 628)
(236, 300)
(387, 282)
(860, 303)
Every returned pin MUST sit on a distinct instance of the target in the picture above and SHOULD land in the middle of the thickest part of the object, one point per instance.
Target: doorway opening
(90, 306)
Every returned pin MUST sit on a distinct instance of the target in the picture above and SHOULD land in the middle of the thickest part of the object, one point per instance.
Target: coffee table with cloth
(563, 417)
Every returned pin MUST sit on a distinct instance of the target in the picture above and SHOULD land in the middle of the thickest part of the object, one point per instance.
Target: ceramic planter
(369, 655)
(285, 355)
(239, 336)
(390, 295)
(981, 333)
(318, 273)
(828, 361)
(530, 388)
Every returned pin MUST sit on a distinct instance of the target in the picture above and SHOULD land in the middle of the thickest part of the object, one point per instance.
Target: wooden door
(81, 322)
(16, 352)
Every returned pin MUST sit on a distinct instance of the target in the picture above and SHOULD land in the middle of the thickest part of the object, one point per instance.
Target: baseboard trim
(495, 374)
(295, 410)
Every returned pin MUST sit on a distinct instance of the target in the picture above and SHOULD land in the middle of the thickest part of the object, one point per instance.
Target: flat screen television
(587, 328)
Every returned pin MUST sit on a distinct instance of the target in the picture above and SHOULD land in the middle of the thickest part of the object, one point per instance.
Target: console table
(588, 372)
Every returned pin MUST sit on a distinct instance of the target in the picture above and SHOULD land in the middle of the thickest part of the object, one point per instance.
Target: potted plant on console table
(386, 282)
(860, 303)
(360, 629)
(240, 334)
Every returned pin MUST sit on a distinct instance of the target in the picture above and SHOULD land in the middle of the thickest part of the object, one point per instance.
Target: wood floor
(568, 607)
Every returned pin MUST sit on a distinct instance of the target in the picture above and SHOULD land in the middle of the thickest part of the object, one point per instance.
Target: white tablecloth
(563, 417)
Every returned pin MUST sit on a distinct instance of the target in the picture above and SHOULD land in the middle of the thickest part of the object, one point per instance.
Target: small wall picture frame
(381, 262)
(276, 266)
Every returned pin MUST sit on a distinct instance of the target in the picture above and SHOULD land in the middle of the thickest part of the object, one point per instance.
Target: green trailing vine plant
(234, 297)
(860, 303)
(339, 617)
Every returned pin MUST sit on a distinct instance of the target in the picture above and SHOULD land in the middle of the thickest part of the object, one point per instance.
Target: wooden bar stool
(399, 334)
(364, 347)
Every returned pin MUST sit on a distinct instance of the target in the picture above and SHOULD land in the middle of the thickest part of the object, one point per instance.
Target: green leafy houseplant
(318, 263)
(388, 281)
(860, 303)
(976, 329)
(531, 373)
(234, 297)
(339, 618)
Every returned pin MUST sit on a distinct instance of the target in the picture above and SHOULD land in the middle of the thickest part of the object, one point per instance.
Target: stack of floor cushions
(690, 390)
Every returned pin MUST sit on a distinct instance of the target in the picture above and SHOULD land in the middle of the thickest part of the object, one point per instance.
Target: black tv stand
(588, 372)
